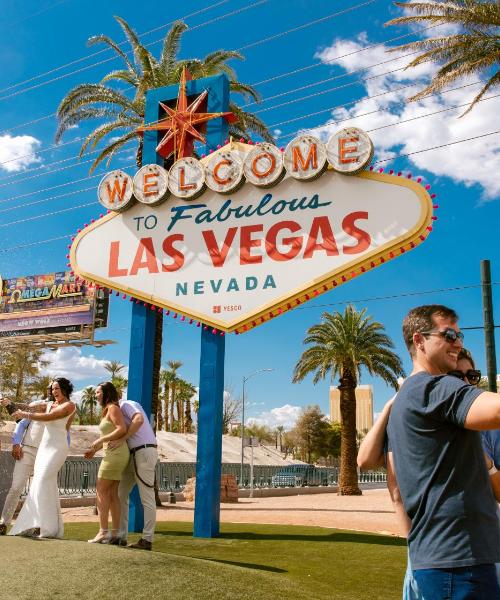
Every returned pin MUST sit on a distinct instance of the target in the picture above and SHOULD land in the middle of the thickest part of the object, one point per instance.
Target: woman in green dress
(112, 427)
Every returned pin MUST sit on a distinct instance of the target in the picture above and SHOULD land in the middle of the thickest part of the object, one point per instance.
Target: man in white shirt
(141, 441)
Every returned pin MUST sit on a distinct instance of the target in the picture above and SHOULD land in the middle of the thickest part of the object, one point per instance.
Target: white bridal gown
(42, 507)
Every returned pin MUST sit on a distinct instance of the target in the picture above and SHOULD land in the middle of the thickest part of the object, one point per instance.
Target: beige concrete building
(364, 406)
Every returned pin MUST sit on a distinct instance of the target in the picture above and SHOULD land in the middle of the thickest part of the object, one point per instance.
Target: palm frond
(110, 150)
(104, 39)
(171, 46)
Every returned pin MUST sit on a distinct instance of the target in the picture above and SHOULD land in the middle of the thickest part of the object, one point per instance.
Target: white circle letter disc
(349, 150)
(224, 172)
(186, 178)
(150, 185)
(263, 165)
(115, 191)
(305, 157)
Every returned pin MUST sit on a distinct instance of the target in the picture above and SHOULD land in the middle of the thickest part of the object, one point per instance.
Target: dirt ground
(371, 512)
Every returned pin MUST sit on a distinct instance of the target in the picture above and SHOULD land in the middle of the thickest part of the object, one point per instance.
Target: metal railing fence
(78, 476)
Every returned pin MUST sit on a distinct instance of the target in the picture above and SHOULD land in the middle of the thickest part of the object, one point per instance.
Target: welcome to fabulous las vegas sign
(250, 231)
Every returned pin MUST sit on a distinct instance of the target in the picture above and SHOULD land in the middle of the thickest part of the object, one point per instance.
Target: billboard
(52, 304)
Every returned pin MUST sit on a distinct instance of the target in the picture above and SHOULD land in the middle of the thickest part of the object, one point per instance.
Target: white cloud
(18, 152)
(69, 362)
(285, 415)
(469, 163)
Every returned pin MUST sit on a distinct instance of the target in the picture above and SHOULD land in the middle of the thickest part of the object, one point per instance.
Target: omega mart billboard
(52, 303)
(250, 232)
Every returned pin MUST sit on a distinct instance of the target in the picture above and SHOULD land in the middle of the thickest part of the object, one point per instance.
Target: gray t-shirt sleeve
(450, 399)
(488, 445)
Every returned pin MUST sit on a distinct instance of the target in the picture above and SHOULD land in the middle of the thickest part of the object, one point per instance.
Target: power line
(98, 52)
(15, 178)
(395, 296)
(106, 60)
(377, 162)
(343, 105)
(274, 78)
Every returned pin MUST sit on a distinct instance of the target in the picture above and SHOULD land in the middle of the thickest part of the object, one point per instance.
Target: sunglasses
(448, 334)
(473, 376)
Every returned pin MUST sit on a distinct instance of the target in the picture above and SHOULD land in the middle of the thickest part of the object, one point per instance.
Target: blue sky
(37, 38)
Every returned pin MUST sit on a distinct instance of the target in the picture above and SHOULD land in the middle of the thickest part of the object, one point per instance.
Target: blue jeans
(462, 583)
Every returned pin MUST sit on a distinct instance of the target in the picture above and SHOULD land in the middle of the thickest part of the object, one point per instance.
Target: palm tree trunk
(188, 420)
(166, 396)
(172, 402)
(348, 477)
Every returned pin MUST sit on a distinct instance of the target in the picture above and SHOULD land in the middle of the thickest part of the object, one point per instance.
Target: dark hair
(109, 393)
(464, 354)
(420, 319)
(65, 385)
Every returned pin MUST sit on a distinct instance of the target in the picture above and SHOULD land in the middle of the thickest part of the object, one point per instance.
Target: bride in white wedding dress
(42, 509)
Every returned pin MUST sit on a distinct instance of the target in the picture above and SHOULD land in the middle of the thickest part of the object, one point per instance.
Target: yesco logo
(305, 158)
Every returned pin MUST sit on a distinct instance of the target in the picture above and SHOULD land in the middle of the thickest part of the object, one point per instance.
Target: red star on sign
(180, 124)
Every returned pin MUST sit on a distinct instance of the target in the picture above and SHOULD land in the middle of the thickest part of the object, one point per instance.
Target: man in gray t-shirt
(454, 539)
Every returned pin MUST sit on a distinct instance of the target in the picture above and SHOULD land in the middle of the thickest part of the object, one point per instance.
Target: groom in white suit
(25, 441)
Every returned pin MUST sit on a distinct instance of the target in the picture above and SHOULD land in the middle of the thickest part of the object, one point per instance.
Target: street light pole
(245, 379)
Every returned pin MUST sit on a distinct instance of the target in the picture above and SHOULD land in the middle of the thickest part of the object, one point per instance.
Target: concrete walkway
(370, 512)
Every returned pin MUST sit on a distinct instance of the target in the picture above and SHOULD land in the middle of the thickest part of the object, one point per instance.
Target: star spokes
(180, 123)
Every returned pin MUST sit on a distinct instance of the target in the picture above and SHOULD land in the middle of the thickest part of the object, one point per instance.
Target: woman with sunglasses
(374, 453)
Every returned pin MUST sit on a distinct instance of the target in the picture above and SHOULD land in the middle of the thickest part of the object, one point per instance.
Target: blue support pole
(209, 454)
(140, 379)
(209, 450)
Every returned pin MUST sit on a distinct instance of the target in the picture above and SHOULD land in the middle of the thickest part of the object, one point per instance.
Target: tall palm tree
(114, 368)
(280, 430)
(174, 365)
(89, 402)
(341, 345)
(185, 393)
(473, 50)
(121, 113)
(166, 378)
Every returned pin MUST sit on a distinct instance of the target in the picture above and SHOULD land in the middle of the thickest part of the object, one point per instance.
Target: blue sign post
(209, 454)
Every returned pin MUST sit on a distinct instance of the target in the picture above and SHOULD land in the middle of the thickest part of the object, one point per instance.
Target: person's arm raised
(484, 413)
(371, 450)
(61, 411)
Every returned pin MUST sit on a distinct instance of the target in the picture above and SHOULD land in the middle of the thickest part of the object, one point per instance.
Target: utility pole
(489, 326)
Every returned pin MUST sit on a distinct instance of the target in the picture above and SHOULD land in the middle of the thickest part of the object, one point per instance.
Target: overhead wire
(103, 50)
(274, 78)
(377, 162)
(15, 178)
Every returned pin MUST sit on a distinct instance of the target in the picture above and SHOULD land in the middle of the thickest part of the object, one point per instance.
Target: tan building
(364, 406)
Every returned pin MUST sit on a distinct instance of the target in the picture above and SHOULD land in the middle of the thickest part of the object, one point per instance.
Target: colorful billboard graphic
(51, 303)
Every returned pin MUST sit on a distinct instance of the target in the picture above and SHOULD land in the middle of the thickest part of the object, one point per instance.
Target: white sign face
(150, 185)
(115, 191)
(235, 261)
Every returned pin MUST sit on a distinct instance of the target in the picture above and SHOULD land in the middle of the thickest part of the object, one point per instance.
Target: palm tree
(121, 114)
(114, 368)
(166, 378)
(89, 402)
(120, 384)
(280, 429)
(473, 50)
(40, 386)
(185, 393)
(341, 345)
(174, 365)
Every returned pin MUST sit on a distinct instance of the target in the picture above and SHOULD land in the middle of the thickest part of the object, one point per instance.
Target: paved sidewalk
(371, 512)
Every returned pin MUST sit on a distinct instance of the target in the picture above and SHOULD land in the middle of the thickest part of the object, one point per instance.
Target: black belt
(134, 450)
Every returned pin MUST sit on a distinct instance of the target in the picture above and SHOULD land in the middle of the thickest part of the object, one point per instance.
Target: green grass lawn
(247, 562)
